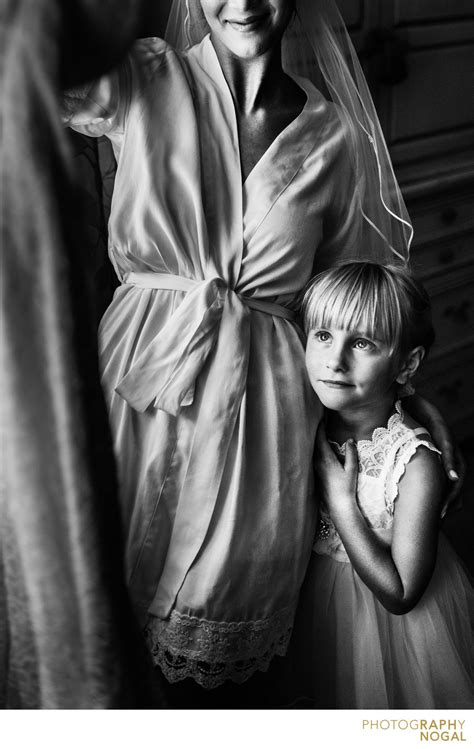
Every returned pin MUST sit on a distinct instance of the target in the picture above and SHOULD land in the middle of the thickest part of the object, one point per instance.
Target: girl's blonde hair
(386, 301)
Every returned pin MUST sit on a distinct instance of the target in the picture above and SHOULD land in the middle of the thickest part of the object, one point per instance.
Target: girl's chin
(335, 398)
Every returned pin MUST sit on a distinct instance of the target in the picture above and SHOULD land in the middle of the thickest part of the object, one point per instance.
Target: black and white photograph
(238, 361)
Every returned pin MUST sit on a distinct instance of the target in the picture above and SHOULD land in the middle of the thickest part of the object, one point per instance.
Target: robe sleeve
(97, 108)
(101, 107)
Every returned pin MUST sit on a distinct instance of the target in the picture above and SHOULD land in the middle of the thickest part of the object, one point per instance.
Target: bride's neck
(254, 83)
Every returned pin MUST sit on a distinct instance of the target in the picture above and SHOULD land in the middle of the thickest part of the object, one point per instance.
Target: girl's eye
(322, 335)
(363, 344)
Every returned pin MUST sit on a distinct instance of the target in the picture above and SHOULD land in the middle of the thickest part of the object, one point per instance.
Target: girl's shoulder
(418, 443)
(400, 446)
(415, 458)
(421, 457)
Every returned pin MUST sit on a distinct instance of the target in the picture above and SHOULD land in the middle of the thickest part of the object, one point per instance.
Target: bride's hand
(430, 417)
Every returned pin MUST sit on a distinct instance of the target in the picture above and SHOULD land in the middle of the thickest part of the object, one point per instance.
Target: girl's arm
(396, 574)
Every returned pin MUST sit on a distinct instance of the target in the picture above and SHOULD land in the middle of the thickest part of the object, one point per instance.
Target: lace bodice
(382, 463)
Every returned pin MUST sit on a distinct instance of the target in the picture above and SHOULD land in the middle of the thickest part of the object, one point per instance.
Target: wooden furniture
(419, 59)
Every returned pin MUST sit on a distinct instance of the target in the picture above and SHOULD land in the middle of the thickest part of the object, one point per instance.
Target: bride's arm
(95, 38)
(426, 414)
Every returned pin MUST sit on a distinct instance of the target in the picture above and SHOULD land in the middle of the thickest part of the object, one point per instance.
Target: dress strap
(170, 282)
(421, 430)
(406, 448)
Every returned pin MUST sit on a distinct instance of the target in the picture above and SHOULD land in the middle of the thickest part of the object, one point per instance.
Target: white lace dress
(351, 652)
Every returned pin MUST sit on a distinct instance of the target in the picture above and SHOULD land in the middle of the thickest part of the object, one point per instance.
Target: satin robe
(213, 416)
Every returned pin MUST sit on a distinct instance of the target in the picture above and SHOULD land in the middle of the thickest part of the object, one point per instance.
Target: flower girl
(387, 610)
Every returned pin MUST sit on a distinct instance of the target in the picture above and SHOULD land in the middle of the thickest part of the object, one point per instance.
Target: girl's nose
(337, 360)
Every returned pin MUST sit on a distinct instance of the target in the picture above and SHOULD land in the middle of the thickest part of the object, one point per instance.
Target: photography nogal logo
(440, 730)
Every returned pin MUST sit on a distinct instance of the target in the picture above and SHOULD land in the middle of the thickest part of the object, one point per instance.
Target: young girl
(386, 604)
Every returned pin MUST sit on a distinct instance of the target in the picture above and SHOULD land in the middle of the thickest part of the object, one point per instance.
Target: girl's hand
(338, 480)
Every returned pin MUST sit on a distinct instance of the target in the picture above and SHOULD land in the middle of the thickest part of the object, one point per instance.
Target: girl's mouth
(336, 384)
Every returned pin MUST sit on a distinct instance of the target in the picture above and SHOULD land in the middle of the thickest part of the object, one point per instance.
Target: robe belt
(210, 328)
(165, 373)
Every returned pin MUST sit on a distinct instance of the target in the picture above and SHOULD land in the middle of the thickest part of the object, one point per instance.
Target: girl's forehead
(360, 324)
(347, 319)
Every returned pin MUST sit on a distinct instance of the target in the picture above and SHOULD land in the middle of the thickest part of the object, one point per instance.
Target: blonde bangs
(359, 297)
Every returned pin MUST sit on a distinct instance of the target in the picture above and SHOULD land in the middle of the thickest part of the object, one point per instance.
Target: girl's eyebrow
(356, 333)
(362, 333)
(366, 334)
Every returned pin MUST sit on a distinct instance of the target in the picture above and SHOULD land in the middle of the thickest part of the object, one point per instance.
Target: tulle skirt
(349, 652)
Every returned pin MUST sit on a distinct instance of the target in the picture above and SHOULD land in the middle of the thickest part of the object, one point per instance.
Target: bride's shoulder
(152, 61)
(151, 49)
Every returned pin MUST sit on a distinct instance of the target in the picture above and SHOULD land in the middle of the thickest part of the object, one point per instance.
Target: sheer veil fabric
(317, 46)
(199, 347)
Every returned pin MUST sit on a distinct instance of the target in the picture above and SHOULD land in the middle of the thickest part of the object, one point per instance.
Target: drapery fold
(67, 635)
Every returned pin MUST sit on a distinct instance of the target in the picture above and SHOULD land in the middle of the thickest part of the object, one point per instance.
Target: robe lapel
(282, 161)
(235, 212)
(220, 160)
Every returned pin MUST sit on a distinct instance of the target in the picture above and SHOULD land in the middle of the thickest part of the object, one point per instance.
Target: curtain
(68, 638)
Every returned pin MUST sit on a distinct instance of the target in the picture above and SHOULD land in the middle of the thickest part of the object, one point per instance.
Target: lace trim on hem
(214, 652)
(211, 675)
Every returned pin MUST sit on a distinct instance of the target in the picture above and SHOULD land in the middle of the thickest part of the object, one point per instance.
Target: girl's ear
(410, 365)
